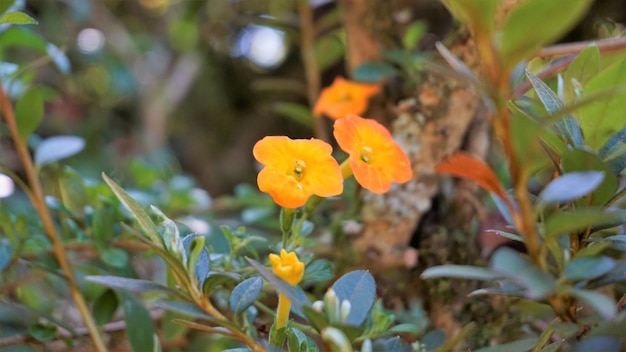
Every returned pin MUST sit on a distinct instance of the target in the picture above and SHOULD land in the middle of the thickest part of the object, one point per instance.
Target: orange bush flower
(296, 169)
(344, 97)
(376, 160)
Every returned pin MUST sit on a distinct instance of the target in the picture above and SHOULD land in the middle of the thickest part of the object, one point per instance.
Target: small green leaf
(57, 148)
(515, 346)
(318, 270)
(216, 278)
(296, 112)
(405, 328)
(197, 256)
(17, 18)
(571, 186)
(617, 274)
(374, 72)
(613, 153)
(105, 306)
(5, 5)
(329, 50)
(586, 268)
(604, 305)
(413, 34)
(244, 294)
(136, 285)
(433, 339)
(296, 340)
(42, 332)
(29, 111)
(520, 270)
(6, 253)
(531, 24)
(478, 15)
(585, 66)
(616, 242)
(461, 272)
(599, 343)
(114, 257)
(359, 288)
(140, 328)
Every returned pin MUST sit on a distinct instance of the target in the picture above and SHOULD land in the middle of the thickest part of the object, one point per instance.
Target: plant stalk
(46, 220)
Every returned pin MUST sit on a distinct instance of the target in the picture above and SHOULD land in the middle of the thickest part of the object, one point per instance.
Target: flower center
(366, 154)
(298, 170)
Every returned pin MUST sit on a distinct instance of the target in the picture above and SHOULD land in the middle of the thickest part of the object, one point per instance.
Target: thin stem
(48, 225)
(311, 68)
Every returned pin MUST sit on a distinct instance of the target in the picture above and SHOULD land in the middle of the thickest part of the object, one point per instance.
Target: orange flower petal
(296, 169)
(375, 158)
(344, 97)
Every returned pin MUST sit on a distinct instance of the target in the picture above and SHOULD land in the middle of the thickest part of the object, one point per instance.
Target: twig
(569, 52)
(46, 219)
(311, 69)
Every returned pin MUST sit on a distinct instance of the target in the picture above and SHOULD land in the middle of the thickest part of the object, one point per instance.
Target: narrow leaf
(461, 272)
(17, 18)
(144, 221)
(520, 270)
(29, 111)
(586, 268)
(604, 305)
(613, 153)
(135, 285)
(515, 346)
(465, 166)
(564, 222)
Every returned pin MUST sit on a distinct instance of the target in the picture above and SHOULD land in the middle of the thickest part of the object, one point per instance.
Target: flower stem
(282, 312)
(39, 203)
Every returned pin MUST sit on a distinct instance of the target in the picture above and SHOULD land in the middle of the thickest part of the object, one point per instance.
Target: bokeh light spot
(90, 40)
(7, 187)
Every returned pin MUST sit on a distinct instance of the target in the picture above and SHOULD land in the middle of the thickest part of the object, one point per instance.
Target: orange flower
(296, 169)
(344, 97)
(375, 158)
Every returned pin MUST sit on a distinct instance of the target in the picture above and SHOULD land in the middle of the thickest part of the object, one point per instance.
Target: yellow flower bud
(287, 267)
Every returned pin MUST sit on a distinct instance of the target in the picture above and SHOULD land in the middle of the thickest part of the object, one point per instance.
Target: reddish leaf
(466, 166)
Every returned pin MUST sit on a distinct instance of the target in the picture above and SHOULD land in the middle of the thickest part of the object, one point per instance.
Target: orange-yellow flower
(295, 169)
(344, 97)
(288, 267)
(376, 160)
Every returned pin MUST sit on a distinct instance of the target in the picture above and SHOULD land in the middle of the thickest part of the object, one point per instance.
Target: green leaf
(144, 221)
(604, 305)
(599, 343)
(461, 272)
(570, 186)
(583, 160)
(586, 268)
(613, 152)
(359, 288)
(519, 269)
(197, 256)
(603, 118)
(532, 24)
(140, 328)
(294, 293)
(616, 242)
(105, 306)
(29, 111)
(478, 15)
(296, 112)
(244, 294)
(433, 339)
(374, 72)
(135, 285)
(5, 5)
(413, 34)
(318, 270)
(405, 328)
(6, 253)
(581, 219)
(329, 50)
(585, 66)
(216, 278)
(73, 192)
(515, 346)
(17, 18)
(57, 148)
(296, 340)
(42, 332)
(568, 127)
(525, 142)
(617, 274)
(114, 257)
